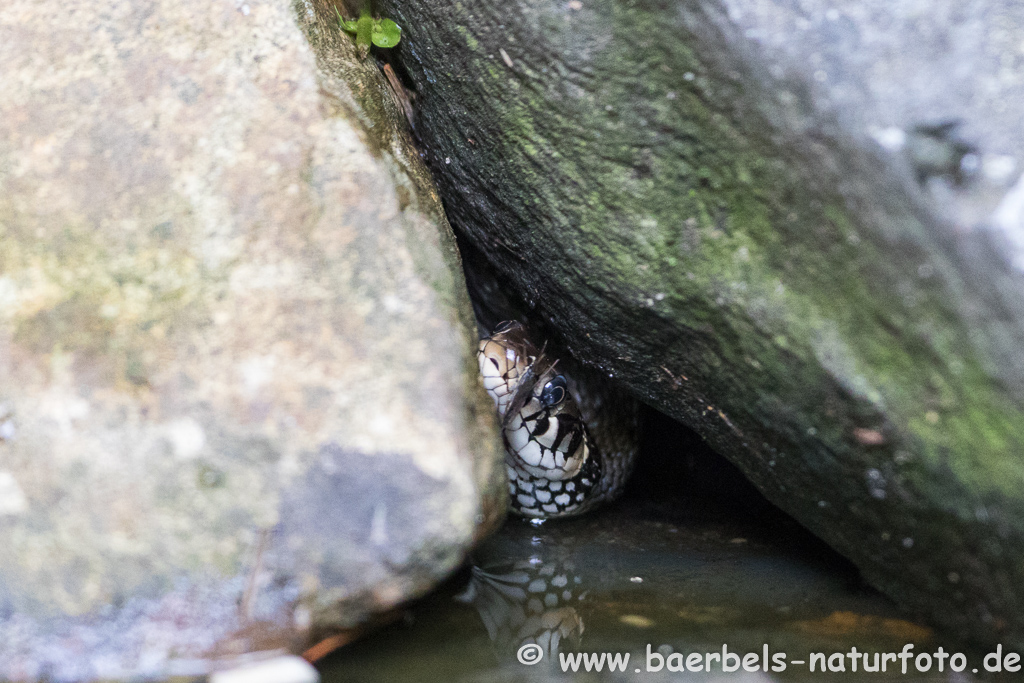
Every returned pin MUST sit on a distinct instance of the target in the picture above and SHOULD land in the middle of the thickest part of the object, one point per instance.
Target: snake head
(552, 466)
(512, 368)
(504, 359)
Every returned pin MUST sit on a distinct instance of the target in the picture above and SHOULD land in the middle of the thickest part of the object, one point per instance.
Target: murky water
(692, 560)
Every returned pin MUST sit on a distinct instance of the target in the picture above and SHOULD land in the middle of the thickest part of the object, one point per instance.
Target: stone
(283, 669)
(239, 407)
(795, 228)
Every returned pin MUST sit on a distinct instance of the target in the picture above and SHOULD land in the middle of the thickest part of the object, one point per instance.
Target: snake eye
(553, 392)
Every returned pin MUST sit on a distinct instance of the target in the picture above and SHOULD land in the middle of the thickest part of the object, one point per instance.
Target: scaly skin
(555, 467)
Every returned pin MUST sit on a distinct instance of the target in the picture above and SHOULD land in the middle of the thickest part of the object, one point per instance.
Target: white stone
(284, 669)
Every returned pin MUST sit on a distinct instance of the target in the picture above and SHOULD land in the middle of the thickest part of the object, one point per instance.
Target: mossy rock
(759, 223)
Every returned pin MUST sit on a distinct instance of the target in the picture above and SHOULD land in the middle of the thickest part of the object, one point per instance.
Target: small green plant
(367, 30)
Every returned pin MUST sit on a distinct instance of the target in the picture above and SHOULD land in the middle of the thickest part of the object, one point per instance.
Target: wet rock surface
(792, 228)
(238, 401)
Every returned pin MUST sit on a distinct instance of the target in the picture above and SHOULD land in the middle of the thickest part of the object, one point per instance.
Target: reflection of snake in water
(570, 439)
(531, 602)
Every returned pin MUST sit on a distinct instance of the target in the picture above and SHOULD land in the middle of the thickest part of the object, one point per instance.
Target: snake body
(570, 440)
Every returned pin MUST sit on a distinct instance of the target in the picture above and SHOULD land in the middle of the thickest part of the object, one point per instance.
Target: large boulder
(238, 398)
(795, 227)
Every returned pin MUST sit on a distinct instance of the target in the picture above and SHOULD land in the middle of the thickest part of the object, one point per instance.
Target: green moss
(471, 42)
(673, 204)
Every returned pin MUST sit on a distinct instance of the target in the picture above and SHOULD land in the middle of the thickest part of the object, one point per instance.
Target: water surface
(692, 558)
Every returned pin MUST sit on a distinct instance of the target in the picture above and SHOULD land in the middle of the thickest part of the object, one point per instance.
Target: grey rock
(238, 399)
(794, 226)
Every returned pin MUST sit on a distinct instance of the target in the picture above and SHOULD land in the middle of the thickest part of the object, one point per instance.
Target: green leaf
(385, 33)
(346, 25)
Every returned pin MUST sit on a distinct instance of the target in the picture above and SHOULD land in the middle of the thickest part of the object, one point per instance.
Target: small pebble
(636, 620)
(286, 669)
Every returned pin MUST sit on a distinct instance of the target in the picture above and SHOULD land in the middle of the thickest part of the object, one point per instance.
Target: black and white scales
(556, 468)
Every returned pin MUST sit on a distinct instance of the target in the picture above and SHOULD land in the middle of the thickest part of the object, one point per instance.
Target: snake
(569, 436)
